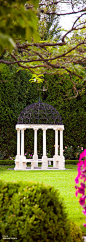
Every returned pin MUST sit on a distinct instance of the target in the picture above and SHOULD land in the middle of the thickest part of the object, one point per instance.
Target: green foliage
(7, 162)
(72, 111)
(68, 152)
(62, 54)
(76, 233)
(72, 162)
(6, 40)
(49, 24)
(78, 152)
(35, 212)
(17, 22)
(29, 156)
(17, 92)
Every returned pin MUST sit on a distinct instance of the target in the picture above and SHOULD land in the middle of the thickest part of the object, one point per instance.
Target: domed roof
(39, 113)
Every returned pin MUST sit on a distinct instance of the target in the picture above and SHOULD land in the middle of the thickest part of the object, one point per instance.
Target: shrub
(68, 152)
(72, 162)
(78, 151)
(32, 212)
(2, 155)
(7, 162)
(76, 233)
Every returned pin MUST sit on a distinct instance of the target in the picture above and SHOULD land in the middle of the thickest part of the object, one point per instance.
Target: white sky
(67, 21)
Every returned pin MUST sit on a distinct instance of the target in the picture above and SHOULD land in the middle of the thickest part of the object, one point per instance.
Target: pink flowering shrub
(80, 181)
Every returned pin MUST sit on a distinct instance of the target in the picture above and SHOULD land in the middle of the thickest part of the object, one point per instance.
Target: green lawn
(61, 180)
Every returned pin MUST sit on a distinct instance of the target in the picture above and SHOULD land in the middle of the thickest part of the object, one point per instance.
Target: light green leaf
(37, 78)
(6, 42)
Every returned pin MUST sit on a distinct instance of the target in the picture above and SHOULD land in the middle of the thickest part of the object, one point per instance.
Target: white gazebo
(39, 116)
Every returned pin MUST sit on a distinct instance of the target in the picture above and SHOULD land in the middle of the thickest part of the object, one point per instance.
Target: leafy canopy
(17, 22)
(63, 55)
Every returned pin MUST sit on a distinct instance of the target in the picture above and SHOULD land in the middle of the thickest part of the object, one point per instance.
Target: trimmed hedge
(12, 162)
(7, 162)
(72, 162)
(34, 212)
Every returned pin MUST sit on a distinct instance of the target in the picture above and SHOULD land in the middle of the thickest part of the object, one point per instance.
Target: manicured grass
(61, 180)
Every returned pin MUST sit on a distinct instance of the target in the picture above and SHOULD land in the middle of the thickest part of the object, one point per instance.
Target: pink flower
(82, 184)
(84, 211)
(77, 180)
(83, 154)
(76, 187)
(81, 190)
(82, 200)
(26, 153)
(84, 170)
(81, 176)
(76, 193)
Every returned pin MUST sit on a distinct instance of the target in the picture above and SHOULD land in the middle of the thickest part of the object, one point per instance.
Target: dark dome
(39, 113)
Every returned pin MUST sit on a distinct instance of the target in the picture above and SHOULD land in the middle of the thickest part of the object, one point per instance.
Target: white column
(44, 142)
(35, 156)
(35, 141)
(56, 142)
(18, 141)
(22, 142)
(61, 142)
(44, 157)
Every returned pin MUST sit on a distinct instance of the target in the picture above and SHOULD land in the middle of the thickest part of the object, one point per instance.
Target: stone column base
(20, 163)
(59, 162)
(35, 158)
(44, 163)
(56, 161)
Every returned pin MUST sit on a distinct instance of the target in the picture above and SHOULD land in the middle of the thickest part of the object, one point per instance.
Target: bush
(76, 233)
(68, 152)
(72, 162)
(7, 162)
(32, 212)
(2, 155)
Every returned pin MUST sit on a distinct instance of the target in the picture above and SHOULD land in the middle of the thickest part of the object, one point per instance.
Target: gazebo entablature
(39, 126)
(21, 161)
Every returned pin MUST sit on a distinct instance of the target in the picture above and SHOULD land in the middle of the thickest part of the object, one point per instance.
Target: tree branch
(67, 13)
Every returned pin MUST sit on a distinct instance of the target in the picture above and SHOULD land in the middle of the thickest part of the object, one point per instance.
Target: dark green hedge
(72, 162)
(12, 162)
(17, 93)
(7, 162)
(34, 212)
